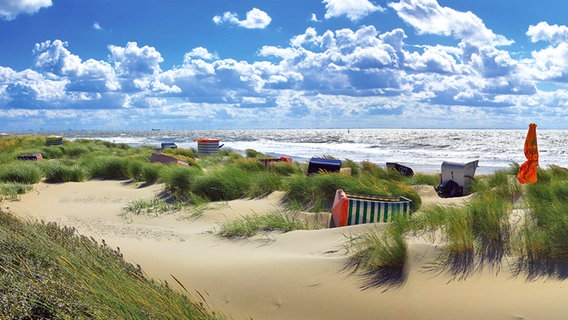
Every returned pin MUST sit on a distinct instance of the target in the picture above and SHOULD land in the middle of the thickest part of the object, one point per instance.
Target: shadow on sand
(386, 278)
(493, 256)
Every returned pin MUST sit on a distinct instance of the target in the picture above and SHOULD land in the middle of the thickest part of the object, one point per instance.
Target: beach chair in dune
(53, 140)
(267, 161)
(318, 165)
(456, 178)
(404, 170)
(168, 145)
(351, 209)
(166, 159)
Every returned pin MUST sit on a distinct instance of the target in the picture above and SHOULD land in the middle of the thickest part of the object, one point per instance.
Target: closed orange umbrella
(527, 172)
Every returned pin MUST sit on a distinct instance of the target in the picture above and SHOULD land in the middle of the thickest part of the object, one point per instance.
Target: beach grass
(49, 272)
(12, 190)
(63, 171)
(21, 172)
(547, 222)
(178, 180)
(284, 168)
(380, 248)
(151, 207)
(226, 183)
(248, 226)
(423, 179)
(106, 167)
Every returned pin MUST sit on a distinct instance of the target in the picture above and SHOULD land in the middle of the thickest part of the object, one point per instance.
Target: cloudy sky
(226, 64)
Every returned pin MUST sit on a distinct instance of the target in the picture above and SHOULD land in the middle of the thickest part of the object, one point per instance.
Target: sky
(226, 64)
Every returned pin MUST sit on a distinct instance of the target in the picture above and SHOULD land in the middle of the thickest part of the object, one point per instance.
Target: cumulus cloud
(30, 90)
(554, 34)
(97, 26)
(428, 17)
(138, 68)
(10, 9)
(53, 57)
(352, 9)
(551, 62)
(356, 73)
(256, 19)
(200, 53)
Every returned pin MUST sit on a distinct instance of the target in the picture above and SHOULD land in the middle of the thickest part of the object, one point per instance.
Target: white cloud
(133, 61)
(551, 63)
(428, 17)
(30, 89)
(256, 19)
(10, 9)
(353, 74)
(201, 53)
(353, 9)
(554, 34)
(436, 59)
(91, 75)
(488, 61)
(97, 26)
(314, 18)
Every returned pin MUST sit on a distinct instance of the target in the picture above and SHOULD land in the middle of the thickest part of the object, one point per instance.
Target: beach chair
(317, 165)
(168, 145)
(30, 156)
(267, 161)
(404, 170)
(165, 159)
(456, 178)
(351, 209)
(53, 141)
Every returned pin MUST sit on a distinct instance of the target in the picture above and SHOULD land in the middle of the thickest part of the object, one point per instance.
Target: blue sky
(225, 64)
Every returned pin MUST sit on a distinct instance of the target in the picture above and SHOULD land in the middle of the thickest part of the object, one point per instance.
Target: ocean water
(423, 150)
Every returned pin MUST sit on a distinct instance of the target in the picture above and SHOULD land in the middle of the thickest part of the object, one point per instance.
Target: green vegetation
(49, 272)
(249, 226)
(152, 207)
(12, 190)
(22, 172)
(64, 171)
(382, 247)
(479, 232)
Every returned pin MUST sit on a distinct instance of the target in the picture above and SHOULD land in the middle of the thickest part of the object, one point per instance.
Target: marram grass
(152, 207)
(48, 272)
(248, 226)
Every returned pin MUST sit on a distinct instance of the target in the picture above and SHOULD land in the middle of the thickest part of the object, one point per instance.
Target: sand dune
(296, 275)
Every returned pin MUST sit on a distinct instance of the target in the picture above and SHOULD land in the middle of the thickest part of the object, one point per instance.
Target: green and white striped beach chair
(351, 209)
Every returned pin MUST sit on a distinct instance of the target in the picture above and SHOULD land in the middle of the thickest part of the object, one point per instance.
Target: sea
(423, 150)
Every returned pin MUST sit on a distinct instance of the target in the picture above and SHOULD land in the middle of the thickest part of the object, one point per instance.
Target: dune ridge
(295, 275)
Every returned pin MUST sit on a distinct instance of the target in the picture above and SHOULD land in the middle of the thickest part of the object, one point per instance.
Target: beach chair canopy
(168, 145)
(404, 170)
(456, 178)
(321, 164)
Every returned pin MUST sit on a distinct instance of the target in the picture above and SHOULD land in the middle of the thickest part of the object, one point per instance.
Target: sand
(295, 275)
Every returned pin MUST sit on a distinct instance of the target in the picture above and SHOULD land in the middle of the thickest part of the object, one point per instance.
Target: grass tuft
(249, 226)
(152, 207)
(21, 172)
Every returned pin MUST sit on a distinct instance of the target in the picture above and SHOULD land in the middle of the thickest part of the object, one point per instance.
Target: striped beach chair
(352, 209)
(53, 141)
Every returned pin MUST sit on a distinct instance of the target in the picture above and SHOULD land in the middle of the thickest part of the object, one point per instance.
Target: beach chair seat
(351, 209)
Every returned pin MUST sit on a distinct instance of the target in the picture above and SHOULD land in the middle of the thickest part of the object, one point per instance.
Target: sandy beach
(295, 275)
